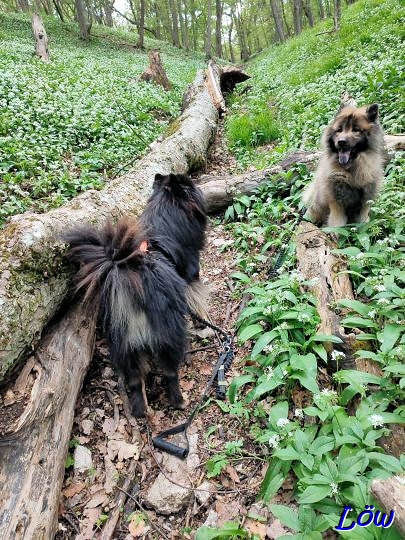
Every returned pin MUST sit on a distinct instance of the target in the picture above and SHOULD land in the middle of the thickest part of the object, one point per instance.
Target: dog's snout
(342, 141)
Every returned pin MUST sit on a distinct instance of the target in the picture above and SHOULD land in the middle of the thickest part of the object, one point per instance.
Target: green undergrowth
(299, 83)
(304, 409)
(69, 125)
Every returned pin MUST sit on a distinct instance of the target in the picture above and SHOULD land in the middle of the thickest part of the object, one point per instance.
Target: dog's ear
(160, 179)
(372, 112)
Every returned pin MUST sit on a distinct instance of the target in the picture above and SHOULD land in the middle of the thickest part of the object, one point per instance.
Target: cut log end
(390, 493)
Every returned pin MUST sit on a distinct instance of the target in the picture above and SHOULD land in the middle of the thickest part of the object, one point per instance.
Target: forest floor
(104, 444)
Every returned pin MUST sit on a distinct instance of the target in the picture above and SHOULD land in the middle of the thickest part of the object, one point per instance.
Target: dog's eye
(339, 130)
(356, 129)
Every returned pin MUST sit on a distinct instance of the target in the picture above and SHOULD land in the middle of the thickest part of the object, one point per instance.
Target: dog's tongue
(344, 157)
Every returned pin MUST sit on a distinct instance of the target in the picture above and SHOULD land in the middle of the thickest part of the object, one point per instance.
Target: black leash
(223, 363)
(273, 272)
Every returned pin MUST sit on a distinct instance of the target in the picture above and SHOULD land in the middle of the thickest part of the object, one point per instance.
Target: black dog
(143, 278)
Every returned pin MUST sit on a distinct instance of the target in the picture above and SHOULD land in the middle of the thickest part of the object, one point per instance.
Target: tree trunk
(33, 449)
(218, 27)
(141, 28)
(34, 276)
(297, 7)
(23, 5)
(41, 39)
(158, 21)
(82, 19)
(156, 72)
(182, 24)
(185, 18)
(308, 12)
(108, 14)
(278, 21)
(287, 27)
(231, 53)
(175, 23)
(58, 10)
(321, 10)
(336, 14)
(193, 25)
(208, 34)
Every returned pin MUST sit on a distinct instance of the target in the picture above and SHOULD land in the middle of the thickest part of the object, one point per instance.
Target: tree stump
(41, 39)
(156, 72)
(390, 493)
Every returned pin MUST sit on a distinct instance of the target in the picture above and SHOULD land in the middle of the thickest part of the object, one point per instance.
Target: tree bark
(218, 27)
(336, 14)
(308, 12)
(34, 276)
(175, 23)
(141, 29)
(156, 72)
(278, 21)
(34, 448)
(390, 493)
(41, 39)
(321, 10)
(208, 34)
(58, 10)
(231, 53)
(297, 11)
(82, 19)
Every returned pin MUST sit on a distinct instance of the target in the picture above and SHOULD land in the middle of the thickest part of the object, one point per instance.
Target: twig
(228, 314)
(142, 509)
(208, 347)
(109, 528)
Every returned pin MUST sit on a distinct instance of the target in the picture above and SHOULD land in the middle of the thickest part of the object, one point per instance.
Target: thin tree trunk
(287, 27)
(321, 10)
(231, 52)
(108, 14)
(175, 23)
(182, 24)
(186, 23)
(208, 36)
(141, 29)
(308, 12)
(58, 10)
(218, 27)
(278, 21)
(82, 19)
(41, 39)
(193, 25)
(336, 14)
(297, 7)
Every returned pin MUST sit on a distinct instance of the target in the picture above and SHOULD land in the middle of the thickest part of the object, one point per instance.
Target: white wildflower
(299, 413)
(274, 441)
(284, 326)
(269, 373)
(371, 314)
(359, 256)
(282, 422)
(334, 487)
(376, 420)
(383, 301)
(337, 355)
(303, 317)
(284, 372)
(380, 288)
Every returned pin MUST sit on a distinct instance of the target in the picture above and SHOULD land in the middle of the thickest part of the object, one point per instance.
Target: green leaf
(249, 332)
(314, 494)
(287, 454)
(286, 515)
(237, 383)
(263, 341)
(390, 336)
(358, 322)
(321, 445)
(275, 475)
(356, 306)
(228, 530)
(387, 462)
(277, 411)
(244, 278)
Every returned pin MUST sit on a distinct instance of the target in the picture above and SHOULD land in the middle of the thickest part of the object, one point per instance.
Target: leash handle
(161, 443)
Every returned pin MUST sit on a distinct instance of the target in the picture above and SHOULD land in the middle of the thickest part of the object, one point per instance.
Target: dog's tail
(110, 260)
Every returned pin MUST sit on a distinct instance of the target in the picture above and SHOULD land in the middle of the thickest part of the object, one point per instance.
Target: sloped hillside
(69, 125)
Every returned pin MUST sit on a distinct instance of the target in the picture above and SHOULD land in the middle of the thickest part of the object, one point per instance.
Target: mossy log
(34, 277)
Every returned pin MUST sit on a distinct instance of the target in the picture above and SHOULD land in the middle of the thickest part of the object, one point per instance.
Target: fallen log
(219, 191)
(331, 284)
(36, 414)
(390, 493)
(32, 457)
(34, 277)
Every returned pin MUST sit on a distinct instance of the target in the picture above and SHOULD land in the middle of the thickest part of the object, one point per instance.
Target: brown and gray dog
(351, 169)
